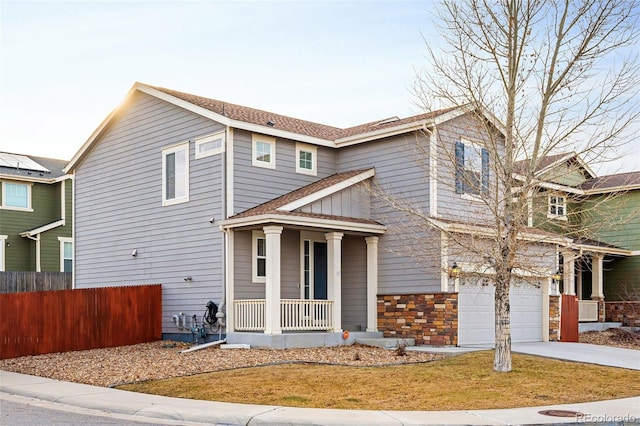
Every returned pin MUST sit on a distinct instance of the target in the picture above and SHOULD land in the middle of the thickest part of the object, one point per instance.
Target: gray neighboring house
(270, 217)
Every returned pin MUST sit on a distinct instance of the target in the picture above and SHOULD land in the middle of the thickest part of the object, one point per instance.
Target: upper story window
(472, 169)
(175, 174)
(210, 145)
(306, 159)
(259, 255)
(16, 196)
(557, 206)
(264, 151)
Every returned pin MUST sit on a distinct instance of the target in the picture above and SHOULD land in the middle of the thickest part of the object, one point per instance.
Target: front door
(319, 270)
(314, 271)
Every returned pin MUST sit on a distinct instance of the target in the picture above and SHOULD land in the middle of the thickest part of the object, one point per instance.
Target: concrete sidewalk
(145, 407)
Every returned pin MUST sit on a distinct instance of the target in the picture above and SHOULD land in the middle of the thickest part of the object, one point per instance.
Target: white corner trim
(433, 173)
(327, 191)
(229, 172)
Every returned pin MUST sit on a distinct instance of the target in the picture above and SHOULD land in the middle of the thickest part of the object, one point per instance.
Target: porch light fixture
(454, 272)
(557, 276)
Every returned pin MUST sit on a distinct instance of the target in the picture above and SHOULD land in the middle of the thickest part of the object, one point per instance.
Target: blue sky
(65, 65)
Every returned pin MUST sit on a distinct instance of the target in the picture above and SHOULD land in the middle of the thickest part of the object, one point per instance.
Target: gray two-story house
(296, 229)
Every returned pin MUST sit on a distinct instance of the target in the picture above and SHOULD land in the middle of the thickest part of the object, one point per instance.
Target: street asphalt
(148, 407)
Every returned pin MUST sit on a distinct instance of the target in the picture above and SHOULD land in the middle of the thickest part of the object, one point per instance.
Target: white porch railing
(587, 310)
(306, 315)
(249, 314)
(295, 314)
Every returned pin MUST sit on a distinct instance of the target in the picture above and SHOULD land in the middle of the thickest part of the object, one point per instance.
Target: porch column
(272, 285)
(372, 283)
(569, 268)
(229, 280)
(334, 279)
(597, 280)
(579, 279)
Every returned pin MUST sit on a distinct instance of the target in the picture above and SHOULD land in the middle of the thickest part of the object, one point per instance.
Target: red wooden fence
(569, 319)
(70, 320)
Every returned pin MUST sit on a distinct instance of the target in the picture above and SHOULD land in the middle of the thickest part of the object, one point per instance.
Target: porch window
(472, 169)
(259, 251)
(264, 151)
(557, 207)
(66, 254)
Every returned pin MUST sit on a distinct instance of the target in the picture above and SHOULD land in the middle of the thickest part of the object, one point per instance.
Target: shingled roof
(295, 125)
(53, 166)
(619, 180)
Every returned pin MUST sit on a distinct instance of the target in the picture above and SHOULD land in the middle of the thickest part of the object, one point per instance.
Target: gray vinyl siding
(119, 209)
(289, 272)
(242, 263)
(256, 185)
(407, 254)
(350, 202)
(354, 283)
(451, 205)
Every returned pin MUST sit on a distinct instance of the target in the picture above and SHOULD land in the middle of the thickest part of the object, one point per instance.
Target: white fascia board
(270, 131)
(42, 229)
(603, 250)
(327, 191)
(622, 188)
(63, 178)
(486, 269)
(635, 253)
(487, 232)
(31, 179)
(379, 134)
(553, 186)
(303, 221)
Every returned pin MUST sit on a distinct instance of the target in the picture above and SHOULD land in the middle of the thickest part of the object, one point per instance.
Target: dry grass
(461, 382)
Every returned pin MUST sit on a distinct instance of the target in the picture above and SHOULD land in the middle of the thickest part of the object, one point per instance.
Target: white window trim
(209, 138)
(314, 159)
(564, 208)
(3, 250)
(29, 207)
(477, 146)
(170, 150)
(267, 140)
(62, 241)
(254, 256)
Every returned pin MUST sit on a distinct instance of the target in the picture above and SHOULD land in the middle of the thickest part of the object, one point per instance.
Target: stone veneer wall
(430, 319)
(628, 313)
(554, 318)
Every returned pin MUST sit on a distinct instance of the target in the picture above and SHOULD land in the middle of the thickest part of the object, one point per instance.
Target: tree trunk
(502, 356)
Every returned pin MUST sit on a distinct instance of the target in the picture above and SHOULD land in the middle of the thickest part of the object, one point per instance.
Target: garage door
(476, 313)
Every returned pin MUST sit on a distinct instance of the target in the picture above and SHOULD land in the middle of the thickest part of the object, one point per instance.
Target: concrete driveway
(582, 352)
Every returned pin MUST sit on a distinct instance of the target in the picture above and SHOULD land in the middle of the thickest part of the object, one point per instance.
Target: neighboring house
(270, 217)
(35, 214)
(602, 217)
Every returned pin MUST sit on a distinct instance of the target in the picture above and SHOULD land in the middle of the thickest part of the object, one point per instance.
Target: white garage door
(476, 313)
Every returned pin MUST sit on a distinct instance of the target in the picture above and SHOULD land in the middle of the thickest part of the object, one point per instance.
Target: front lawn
(456, 383)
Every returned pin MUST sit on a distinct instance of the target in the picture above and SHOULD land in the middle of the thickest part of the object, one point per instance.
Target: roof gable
(278, 125)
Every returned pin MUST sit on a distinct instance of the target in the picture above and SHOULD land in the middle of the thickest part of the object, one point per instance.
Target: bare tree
(560, 76)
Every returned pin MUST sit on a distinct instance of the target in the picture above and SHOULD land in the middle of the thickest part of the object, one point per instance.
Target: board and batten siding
(256, 185)
(354, 283)
(119, 209)
(406, 256)
(353, 201)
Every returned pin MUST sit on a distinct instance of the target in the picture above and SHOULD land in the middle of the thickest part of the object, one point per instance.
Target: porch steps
(385, 342)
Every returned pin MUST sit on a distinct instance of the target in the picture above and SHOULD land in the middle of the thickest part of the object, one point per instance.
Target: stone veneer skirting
(554, 318)
(628, 313)
(430, 319)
